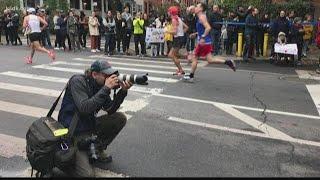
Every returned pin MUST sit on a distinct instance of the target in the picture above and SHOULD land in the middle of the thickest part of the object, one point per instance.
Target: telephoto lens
(141, 79)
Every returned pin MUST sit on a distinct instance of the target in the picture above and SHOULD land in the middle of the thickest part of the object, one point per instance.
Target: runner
(204, 46)
(33, 22)
(179, 28)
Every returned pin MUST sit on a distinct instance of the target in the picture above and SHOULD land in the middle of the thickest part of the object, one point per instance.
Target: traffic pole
(265, 44)
(240, 38)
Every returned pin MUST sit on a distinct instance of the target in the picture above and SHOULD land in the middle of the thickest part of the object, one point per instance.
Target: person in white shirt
(110, 25)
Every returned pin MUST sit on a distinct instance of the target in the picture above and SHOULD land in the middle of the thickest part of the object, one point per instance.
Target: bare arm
(25, 22)
(44, 22)
(206, 25)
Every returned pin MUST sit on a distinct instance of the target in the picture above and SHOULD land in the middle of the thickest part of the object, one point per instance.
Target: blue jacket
(251, 25)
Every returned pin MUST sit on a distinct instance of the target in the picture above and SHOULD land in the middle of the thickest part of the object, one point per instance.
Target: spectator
(281, 24)
(83, 29)
(308, 34)
(101, 30)
(215, 19)
(224, 37)
(318, 33)
(168, 37)
(62, 31)
(94, 31)
(128, 32)
(56, 28)
(8, 26)
(45, 33)
(262, 29)
(138, 34)
(231, 32)
(146, 24)
(160, 24)
(1, 27)
(15, 27)
(73, 32)
(249, 33)
(120, 29)
(110, 25)
(191, 23)
(297, 37)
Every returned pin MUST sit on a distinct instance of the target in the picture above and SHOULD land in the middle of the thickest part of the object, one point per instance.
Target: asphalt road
(213, 127)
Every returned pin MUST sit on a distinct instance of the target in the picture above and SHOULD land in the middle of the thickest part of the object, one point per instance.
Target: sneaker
(52, 55)
(231, 64)
(93, 51)
(103, 157)
(28, 60)
(187, 78)
(56, 48)
(97, 50)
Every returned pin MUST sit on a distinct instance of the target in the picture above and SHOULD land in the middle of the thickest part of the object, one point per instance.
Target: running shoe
(52, 55)
(231, 64)
(28, 60)
(187, 78)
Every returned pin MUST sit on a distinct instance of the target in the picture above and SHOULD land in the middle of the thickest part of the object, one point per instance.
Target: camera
(88, 144)
(141, 79)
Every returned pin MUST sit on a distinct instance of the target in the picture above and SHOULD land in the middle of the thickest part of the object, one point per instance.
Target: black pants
(139, 38)
(109, 44)
(249, 38)
(61, 38)
(126, 40)
(232, 38)
(45, 38)
(99, 42)
(83, 38)
(259, 43)
(119, 40)
(169, 46)
(190, 43)
(108, 127)
(69, 42)
(0, 34)
(9, 35)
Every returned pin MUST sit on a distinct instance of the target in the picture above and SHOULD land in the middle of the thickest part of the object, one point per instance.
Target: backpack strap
(53, 107)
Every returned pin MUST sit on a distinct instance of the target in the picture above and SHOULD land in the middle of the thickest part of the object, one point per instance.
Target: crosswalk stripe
(48, 67)
(113, 59)
(156, 60)
(64, 80)
(123, 63)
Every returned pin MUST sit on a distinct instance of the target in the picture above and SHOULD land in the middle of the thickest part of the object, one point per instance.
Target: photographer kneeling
(86, 95)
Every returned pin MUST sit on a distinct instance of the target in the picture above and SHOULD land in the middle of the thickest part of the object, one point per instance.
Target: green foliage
(301, 7)
(9, 4)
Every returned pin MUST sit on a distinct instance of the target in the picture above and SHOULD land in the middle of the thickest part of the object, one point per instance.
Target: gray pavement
(213, 127)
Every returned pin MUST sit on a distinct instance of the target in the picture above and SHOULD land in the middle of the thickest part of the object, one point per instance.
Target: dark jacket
(215, 17)
(119, 28)
(15, 20)
(296, 35)
(280, 25)
(85, 96)
(251, 25)
(63, 25)
(2, 22)
(101, 27)
(191, 23)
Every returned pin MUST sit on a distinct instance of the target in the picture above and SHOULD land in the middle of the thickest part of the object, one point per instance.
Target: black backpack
(45, 150)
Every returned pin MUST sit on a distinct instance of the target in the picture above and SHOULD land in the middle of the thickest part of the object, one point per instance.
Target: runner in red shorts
(204, 47)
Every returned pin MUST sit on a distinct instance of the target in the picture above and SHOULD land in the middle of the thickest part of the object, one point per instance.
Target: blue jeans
(109, 44)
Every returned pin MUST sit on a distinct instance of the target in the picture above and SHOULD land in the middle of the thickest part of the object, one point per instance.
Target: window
(75, 4)
(86, 4)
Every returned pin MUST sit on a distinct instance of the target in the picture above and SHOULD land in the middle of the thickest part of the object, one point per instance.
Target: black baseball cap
(103, 67)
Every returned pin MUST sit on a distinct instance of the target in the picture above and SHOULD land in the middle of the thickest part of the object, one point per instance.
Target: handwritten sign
(155, 35)
(291, 49)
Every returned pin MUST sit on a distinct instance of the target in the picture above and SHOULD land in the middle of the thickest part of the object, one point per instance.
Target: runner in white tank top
(179, 28)
(33, 23)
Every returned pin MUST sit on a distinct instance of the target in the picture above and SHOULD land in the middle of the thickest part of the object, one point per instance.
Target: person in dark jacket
(120, 29)
(15, 28)
(231, 32)
(281, 24)
(101, 29)
(215, 19)
(8, 26)
(62, 32)
(110, 26)
(84, 97)
(191, 23)
(250, 32)
(263, 28)
(1, 27)
(297, 33)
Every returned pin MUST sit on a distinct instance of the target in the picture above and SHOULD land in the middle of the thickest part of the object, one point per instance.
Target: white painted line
(64, 80)
(118, 63)
(239, 131)
(270, 131)
(29, 89)
(211, 126)
(35, 77)
(236, 106)
(182, 61)
(303, 74)
(11, 146)
(314, 91)
(25, 110)
(112, 60)
(48, 67)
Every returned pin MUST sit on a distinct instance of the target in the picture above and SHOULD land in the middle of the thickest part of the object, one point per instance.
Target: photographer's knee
(122, 118)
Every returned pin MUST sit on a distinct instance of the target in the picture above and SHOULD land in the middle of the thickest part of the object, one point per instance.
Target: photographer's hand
(126, 85)
(112, 81)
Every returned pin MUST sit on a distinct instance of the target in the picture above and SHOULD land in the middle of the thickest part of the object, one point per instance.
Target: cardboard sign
(155, 35)
(291, 49)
